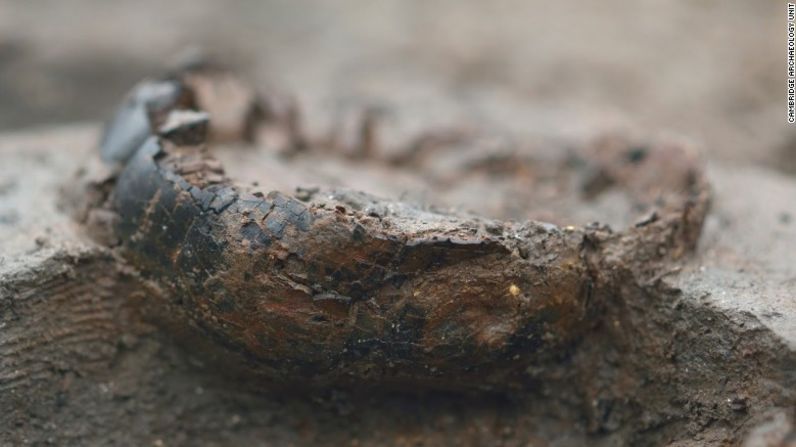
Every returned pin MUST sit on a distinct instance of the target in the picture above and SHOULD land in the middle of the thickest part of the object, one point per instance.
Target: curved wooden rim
(356, 287)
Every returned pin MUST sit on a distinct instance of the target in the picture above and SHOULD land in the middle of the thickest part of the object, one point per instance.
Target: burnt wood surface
(345, 287)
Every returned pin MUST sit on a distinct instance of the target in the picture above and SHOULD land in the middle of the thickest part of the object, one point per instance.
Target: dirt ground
(79, 366)
(712, 71)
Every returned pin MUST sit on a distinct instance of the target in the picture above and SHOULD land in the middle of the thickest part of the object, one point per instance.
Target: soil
(699, 349)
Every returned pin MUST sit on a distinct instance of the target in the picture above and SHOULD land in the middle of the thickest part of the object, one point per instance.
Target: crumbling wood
(324, 291)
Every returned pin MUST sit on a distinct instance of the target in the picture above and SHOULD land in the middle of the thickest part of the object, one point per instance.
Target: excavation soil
(700, 356)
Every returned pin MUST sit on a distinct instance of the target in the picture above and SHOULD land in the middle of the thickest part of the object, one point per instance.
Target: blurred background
(711, 70)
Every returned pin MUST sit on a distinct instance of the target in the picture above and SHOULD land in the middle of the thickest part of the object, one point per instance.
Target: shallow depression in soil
(509, 187)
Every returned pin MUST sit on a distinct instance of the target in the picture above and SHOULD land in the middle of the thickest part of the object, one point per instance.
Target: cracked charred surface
(323, 291)
(344, 287)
